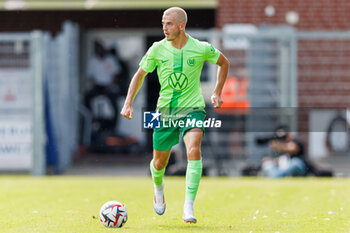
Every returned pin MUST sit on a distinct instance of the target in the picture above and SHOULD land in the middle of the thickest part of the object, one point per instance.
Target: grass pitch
(71, 204)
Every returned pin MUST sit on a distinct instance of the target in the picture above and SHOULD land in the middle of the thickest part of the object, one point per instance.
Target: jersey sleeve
(211, 54)
(148, 62)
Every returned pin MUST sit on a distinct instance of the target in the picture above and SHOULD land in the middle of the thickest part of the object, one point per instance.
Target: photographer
(290, 151)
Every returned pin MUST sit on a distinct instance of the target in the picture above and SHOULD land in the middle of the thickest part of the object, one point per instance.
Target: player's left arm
(224, 65)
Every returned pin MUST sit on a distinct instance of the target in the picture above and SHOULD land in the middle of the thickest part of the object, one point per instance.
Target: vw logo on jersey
(178, 81)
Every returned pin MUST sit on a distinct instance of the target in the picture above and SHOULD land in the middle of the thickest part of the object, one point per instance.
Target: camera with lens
(267, 139)
(279, 135)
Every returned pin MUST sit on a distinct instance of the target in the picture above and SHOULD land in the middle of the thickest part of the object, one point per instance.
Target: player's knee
(194, 150)
(159, 164)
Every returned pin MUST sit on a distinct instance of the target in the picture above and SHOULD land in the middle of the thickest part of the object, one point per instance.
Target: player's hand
(216, 101)
(127, 112)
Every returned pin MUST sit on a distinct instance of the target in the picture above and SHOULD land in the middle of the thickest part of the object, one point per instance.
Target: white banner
(16, 136)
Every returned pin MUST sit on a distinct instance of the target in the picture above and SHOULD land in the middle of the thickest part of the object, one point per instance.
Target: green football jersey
(179, 71)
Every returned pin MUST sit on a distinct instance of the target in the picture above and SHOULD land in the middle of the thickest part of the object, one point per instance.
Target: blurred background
(65, 67)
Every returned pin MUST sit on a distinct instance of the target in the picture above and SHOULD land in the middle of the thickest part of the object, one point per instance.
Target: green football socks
(193, 177)
(157, 175)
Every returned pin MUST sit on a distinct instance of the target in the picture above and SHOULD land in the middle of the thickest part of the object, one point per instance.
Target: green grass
(71, 204)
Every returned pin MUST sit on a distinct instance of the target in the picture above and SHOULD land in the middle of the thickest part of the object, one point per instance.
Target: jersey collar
(188, 41)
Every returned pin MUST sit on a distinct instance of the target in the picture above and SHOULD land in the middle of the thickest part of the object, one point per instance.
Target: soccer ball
(113, 214)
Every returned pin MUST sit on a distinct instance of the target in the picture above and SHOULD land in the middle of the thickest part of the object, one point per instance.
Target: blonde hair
(179, 13)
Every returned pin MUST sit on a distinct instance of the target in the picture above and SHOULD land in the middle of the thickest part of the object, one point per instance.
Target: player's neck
(181, 41)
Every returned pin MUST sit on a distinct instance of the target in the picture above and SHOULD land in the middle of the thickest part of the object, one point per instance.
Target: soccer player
(179, 60)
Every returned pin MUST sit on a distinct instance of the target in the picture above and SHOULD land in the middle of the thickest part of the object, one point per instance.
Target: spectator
(233, 112)
(102, 72)
(290, 160)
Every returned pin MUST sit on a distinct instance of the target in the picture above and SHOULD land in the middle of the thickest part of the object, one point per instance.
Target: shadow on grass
(192, 227)
(184, 228)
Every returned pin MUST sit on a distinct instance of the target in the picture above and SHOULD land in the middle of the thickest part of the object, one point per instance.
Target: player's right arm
(135, 85)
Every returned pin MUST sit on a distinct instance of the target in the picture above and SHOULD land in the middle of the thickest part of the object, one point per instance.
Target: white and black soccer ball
(113, 214)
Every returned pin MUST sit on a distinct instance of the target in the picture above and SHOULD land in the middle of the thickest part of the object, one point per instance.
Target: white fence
(29, 63)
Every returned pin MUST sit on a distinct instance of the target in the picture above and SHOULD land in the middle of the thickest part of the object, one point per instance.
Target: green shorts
(168, 135)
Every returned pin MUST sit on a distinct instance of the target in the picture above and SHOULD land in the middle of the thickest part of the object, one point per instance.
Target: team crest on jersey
(177, 81)
(191, 61)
